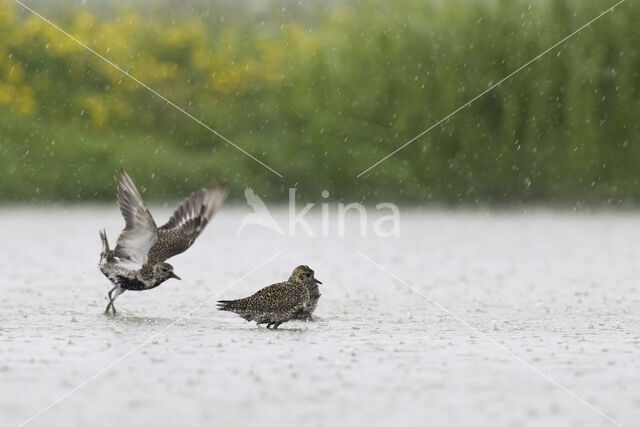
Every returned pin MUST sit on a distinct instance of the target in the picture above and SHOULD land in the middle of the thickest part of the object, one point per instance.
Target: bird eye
(307, 275)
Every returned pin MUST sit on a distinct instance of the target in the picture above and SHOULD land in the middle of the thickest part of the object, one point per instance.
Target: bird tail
(105, 242)
(232, 305)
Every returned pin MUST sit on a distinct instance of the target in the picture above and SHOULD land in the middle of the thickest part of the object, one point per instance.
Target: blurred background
(319, 91)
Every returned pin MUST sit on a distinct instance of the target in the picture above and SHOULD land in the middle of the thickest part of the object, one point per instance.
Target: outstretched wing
(140, 231)
(188, 221)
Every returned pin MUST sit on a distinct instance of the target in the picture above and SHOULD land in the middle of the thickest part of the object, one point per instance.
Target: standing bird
(277, 303)
(137, 261)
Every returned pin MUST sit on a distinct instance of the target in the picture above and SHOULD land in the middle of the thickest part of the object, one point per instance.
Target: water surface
(558, 290)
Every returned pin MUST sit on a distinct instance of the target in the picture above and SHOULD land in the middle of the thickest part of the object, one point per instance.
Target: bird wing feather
(140, 232)
(191, 217)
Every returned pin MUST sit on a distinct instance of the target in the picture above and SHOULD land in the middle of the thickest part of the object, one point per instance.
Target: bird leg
(112, 298)
(110, 305)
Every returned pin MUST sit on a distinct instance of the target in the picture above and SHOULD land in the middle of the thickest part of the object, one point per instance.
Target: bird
(260, 214)
(277, 303)
(137, 263)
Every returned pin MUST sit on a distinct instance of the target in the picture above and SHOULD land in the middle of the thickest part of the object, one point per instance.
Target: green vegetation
(320, 93)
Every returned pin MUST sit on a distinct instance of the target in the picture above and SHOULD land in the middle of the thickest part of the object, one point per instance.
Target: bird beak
(175, 276)
(317, 281)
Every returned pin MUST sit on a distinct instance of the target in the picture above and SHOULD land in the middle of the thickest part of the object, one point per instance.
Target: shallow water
(557, 290)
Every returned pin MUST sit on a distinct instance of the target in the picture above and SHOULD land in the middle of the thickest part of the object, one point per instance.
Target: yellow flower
(7, 13)
(273, 57)
(98, 111)
(6, 93)
(304, 42)
(186, 33)
(83, 23)
(24, 99)
(14, 71)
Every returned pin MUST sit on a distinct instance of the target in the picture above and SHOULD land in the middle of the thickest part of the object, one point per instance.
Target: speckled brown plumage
(187, 222)
(314, 296)
(276, 303)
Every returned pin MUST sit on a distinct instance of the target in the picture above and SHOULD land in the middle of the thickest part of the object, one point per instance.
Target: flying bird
(276, 303)
(137, 263)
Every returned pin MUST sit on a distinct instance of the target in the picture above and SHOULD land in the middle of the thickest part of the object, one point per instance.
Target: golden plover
(137, 261)
(277, 303)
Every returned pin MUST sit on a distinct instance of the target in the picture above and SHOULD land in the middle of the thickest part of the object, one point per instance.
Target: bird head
(165, 272)
(304, 274)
